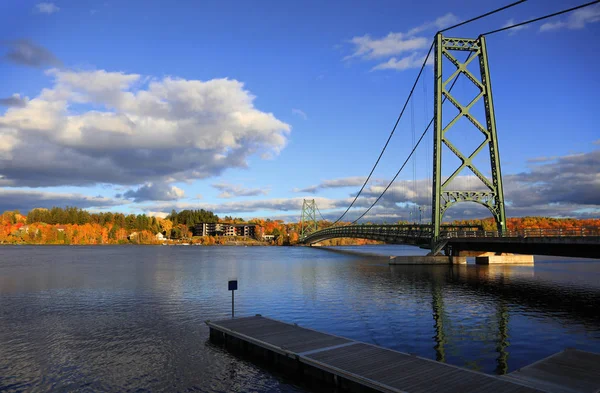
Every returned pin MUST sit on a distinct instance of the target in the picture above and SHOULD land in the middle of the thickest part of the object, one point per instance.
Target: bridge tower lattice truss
(308, 221)
(443, 195)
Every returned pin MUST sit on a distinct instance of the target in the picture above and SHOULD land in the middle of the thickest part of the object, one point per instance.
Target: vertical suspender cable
(414, 159)
(391, 134)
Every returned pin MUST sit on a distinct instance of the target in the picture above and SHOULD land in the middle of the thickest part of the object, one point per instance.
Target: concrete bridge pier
(481, 258)
(455, 256)
(492, 258)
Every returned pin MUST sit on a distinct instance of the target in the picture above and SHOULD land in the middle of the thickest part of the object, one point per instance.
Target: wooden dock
(569, 371)
(354, 366)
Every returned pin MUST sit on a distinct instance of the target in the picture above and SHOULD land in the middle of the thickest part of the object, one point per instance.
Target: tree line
(72, 225)
(76, 216)
(192, 217)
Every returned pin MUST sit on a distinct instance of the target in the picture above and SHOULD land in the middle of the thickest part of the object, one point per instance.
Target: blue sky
(247, 108)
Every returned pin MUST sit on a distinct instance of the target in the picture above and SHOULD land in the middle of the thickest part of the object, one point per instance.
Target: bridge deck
(574, 242)
(352, 363)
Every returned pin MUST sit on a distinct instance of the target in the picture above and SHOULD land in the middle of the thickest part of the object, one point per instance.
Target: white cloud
(415, 60)
(354, 181)
(571, 180)
(25, 200)
(536, 160)
(273, 205)
(236, 190)
(154, 192)
(397, 43)
(300, 113)
(514, 30)
(157, 214)
(392, 44)
(94, 127)
(47, 8)
(440, 23)
(577, 20)
(552, 26)
(27, 53)
(14, 100)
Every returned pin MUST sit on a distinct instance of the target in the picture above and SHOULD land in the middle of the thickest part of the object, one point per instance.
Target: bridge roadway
(460, 240)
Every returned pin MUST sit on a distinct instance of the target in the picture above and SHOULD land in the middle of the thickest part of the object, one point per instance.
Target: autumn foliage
(520, 223)
(76, 226)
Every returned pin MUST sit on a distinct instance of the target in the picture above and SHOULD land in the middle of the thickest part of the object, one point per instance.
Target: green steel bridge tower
(308, 222)
(444, 196)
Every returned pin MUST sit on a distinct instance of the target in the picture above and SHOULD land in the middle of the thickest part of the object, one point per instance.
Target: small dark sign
(233, 285)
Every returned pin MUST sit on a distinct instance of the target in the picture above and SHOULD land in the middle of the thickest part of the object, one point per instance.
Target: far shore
(156, 244)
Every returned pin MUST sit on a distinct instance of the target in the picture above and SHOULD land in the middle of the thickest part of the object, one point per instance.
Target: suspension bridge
(449, 188)
(351, 365)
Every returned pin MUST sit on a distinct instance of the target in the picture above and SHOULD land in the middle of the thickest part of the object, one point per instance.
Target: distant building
(208, 229)
(160, 236)
(229, 230)
(26, 228)
(220, 229)
(244, 230)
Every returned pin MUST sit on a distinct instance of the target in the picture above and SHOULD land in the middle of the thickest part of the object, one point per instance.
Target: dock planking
(353, 365)
(568, 371)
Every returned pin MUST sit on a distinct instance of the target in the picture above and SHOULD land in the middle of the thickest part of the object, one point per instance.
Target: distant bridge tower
(444, 195)
(308, 220)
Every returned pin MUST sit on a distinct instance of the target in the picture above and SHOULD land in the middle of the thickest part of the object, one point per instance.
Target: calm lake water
(131, 318)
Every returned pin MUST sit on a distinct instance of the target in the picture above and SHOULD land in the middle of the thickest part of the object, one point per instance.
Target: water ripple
(131, 319)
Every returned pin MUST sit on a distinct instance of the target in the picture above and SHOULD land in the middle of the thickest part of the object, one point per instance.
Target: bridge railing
(415, 231)
(377, 229)
(526, 232)
(418, 233)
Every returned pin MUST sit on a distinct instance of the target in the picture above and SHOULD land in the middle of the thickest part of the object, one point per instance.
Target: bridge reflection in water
(491, 293)
(437, 305)
(496, 330)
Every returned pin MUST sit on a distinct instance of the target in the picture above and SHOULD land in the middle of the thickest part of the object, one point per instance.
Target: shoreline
(150, 244)
(200, 245)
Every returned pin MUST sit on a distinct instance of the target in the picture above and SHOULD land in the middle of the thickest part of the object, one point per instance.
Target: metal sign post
(233, 286)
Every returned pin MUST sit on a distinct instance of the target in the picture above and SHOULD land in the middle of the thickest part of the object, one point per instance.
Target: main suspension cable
(391, 134)
(483, 15)
(542, 17)
(397, 173)
(322, 218)
(411, 153)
